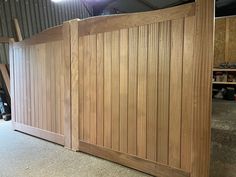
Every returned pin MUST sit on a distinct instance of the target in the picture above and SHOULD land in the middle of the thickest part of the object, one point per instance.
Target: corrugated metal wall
(35, 16)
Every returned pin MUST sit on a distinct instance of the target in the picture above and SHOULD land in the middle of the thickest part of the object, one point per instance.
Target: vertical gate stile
(202, 69)
(67, 83)
(74, 84)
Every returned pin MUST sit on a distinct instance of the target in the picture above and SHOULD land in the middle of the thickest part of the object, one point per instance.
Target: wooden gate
(37, 85)
(140, 88)
(134, 89)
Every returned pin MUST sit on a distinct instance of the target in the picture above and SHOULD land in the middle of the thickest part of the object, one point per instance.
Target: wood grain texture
(136, 93)
(220, 34)
(44, 89)
(176, 81)
(93, 88)
(18, 30)
(81, 89)
(58, 116)
(187, 96)
(227, 24)
(123, 90)
(87, 61)
(232, 39)
(107, 90)
(21, 88)
(50, 136)
(132, 91)
(142, 92)
(150, 167)
(225, 37)
(48, 86)
(32, 89)
(75, 84)
(67, 88)
(140, 76)
(152, 91)
(163, 91)
(51, 34)
(39, 104)
(115, 90)
(116, 22)
(100, 89)
(203, 61)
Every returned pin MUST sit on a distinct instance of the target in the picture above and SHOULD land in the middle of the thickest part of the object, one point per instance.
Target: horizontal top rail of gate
(51, 34)
(101, 24)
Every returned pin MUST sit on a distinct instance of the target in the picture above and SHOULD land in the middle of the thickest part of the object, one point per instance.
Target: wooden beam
(202, 69)
(134, 162)
(51, 34)
(115, 22)
(5, 39)
(18, 31)
(5, 76)
(50, 136)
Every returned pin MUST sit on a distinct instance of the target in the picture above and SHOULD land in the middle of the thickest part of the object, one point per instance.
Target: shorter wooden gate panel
(37, 78)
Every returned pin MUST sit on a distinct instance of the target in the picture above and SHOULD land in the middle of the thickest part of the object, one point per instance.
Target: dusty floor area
(223, 157)
(25, 156)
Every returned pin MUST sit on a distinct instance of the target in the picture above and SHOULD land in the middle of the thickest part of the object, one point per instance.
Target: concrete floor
(223, 157)
(25, 156)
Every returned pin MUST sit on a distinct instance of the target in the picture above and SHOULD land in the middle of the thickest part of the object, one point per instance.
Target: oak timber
(149, 167)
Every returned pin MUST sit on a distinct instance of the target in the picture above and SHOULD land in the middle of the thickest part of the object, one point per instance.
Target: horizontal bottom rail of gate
(134, 162)
(50, 136)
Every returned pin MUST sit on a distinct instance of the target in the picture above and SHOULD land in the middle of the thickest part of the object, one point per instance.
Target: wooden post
(67, 82)
(203, 63)
(75, 84)
(18, 31)
(12, 81)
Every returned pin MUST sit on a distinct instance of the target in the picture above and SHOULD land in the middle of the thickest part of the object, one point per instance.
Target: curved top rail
(50, 34)
(222, 17)
(107, 23)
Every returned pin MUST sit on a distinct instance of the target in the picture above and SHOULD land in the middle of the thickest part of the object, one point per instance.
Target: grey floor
(25, 156)
(223, 157)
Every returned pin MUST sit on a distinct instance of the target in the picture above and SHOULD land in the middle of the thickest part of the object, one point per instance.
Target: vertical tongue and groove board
(143, 89)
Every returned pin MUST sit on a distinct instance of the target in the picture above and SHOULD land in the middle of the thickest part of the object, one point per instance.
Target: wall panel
(225, 40)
